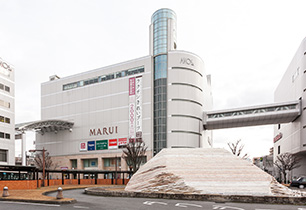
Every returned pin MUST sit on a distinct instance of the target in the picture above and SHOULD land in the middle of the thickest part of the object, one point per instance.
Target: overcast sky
(246, 47)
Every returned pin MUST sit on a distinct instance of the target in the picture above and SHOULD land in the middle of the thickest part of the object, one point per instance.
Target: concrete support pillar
(23, 149)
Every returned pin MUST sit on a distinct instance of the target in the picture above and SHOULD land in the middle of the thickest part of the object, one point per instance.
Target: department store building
(87, 118)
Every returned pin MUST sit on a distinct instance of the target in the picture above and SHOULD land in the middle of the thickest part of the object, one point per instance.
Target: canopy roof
(45, 126)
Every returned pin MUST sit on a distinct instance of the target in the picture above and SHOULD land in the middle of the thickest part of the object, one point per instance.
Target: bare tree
(237, 148)
(287, 162)
(134, 154)
(48, 161)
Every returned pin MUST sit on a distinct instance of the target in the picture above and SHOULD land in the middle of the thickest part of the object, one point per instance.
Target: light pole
(44, 163)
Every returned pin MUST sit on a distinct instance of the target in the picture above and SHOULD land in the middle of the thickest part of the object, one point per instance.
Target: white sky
(246, 47)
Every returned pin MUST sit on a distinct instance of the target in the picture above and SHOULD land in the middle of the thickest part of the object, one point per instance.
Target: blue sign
(91, 145)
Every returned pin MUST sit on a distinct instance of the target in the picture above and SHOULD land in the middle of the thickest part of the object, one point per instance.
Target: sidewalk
(37, 195)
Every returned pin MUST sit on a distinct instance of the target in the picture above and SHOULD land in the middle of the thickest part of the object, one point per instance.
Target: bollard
(5, 192)
(59, 193)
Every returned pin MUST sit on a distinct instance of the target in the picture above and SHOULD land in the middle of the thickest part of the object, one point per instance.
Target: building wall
(103, 105)
(187, 88)
(293, 87)
(7, 113)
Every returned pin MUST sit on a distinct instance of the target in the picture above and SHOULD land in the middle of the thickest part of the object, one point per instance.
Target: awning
(45, 126)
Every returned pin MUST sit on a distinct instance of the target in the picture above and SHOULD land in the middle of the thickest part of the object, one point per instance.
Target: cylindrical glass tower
(163, 40)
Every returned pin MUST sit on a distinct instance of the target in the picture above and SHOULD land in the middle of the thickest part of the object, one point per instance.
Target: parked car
(300, 182)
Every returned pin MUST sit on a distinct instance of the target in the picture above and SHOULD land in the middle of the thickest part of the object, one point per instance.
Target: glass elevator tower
(162, 40)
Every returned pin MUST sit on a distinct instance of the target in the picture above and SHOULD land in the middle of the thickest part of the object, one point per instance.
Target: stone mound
(203, 171)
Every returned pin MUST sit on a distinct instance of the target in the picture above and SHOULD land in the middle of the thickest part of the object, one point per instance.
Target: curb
(201, 197)
(38, 201)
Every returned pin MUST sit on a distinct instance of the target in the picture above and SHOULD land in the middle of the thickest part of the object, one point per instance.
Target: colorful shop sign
(83, 146)
(112, 144)
(122, 142)
(101, 144)
(91, 145)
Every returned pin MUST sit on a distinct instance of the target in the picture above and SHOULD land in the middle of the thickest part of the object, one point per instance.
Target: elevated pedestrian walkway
(275, 113)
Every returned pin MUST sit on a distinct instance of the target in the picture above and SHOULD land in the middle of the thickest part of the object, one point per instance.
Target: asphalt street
(119, 203)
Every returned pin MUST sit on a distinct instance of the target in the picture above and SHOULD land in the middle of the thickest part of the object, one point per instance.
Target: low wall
(18, 184)
(34, 184)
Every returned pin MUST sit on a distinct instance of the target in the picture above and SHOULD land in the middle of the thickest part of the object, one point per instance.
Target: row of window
(102, 78)
(5, 104)
(107, 162)
(5, 135)
(4, 87)
(3, 155)
(5, 119)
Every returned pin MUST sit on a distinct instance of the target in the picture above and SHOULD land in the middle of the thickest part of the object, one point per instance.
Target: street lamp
(44, 164)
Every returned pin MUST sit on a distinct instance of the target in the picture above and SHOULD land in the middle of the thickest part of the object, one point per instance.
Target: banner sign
(132, 107)
(91, 145)
(122, 141)
(101, 144)
(83, 146)
(138, 105)
(112, 144)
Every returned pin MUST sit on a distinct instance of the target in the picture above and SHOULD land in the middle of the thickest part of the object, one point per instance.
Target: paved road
(112, 203)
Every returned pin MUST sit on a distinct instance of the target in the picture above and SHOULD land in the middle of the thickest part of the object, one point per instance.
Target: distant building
(7, 113)
(86, 118)
(291, 137)
(265, 163)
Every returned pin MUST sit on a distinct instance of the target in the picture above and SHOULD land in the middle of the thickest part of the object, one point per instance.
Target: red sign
(83, 146)
(112, 144)
(278, 137)
(132, 86)
(122, 141)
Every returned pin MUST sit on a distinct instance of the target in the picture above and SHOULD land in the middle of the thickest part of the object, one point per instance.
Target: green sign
(101, 144)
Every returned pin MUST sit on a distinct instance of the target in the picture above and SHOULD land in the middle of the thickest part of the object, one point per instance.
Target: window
(1, 86)
(3, 155)
(87, 163)
(7, 120)
(1, 135)
(8, 136)
(74, 164)
(7, 88)
(104, 78)
(111, 162)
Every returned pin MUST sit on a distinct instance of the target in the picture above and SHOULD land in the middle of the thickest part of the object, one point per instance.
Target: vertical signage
(83, 146)
(132, 107)
(112, 144)
(138, 94)
(91, 145)
(101, 144)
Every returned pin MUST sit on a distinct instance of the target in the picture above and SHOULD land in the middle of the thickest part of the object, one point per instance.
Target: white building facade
(291, 137)
(159, 98)
(7, 113)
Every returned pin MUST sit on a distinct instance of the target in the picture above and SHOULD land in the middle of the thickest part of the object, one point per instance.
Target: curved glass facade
(160, 50)
(160, 30)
